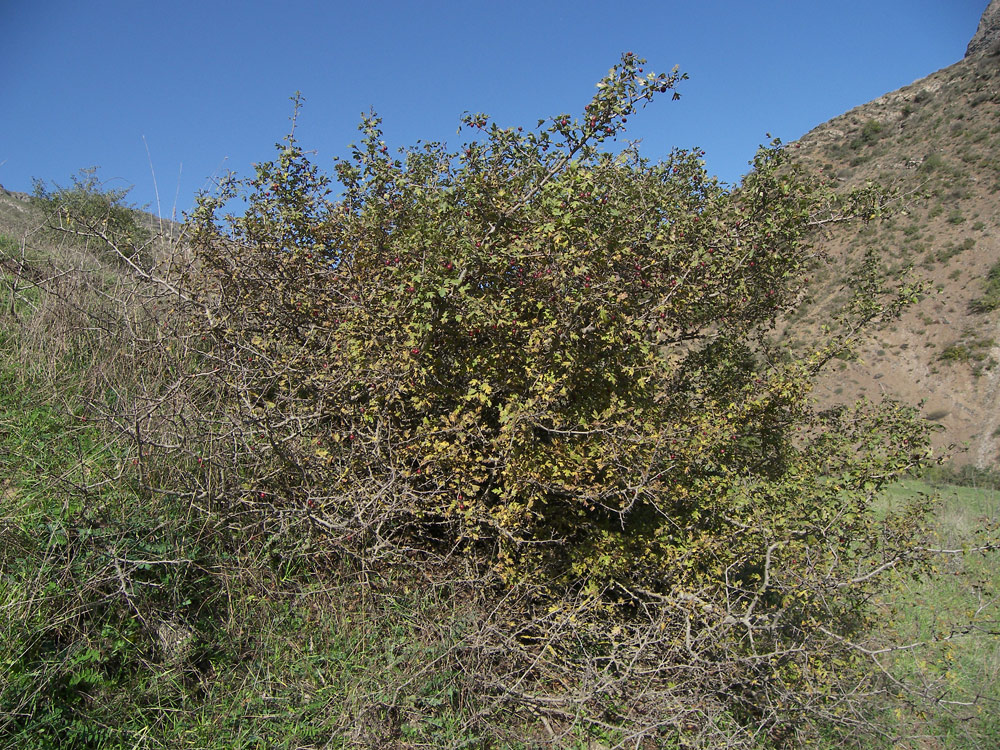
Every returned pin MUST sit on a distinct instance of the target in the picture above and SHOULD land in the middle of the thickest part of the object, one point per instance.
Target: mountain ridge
(937, 143)
(987, 36)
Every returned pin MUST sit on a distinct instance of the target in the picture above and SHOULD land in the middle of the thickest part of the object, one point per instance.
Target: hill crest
(987, 36)
(937, 142)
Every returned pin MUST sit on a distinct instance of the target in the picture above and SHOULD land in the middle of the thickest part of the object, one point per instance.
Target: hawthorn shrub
(94, 214)
(550, 366)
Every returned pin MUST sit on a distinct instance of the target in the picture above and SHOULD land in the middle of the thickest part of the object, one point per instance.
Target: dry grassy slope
(17, 216)
(937, 141)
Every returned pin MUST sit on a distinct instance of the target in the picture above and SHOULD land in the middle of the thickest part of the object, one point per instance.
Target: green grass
(17, 296)
(956, 611)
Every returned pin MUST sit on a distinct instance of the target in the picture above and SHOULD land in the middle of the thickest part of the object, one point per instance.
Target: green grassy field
(956, 610)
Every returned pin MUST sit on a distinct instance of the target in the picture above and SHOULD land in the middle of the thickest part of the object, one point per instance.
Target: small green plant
(962, 666)
(932, 163)
(967, 351)
(989, 300)
(872, 131)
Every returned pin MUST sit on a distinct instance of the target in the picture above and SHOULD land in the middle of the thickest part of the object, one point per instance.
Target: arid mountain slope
(936, 141)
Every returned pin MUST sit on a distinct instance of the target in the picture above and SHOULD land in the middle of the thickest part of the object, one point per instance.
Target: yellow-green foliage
(555, 358)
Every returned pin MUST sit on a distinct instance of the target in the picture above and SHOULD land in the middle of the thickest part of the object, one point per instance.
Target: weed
(990, 298)
(932, 163)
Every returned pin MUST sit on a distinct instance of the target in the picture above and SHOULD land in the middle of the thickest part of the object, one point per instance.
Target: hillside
(936, 142)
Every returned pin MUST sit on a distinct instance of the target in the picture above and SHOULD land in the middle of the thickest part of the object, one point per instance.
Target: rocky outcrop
(987, 37)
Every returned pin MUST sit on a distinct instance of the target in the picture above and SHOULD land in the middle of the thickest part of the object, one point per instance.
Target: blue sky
(207, 83)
